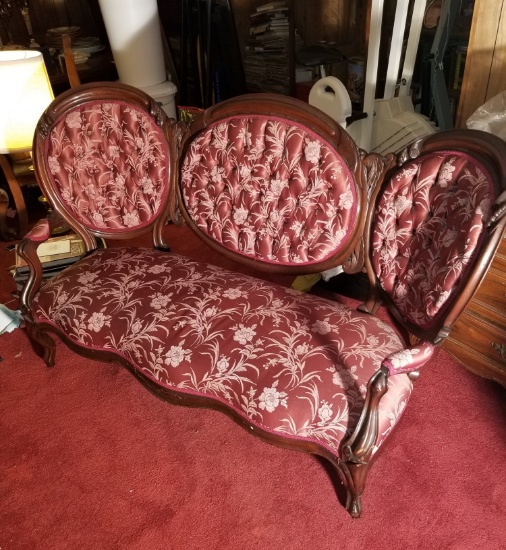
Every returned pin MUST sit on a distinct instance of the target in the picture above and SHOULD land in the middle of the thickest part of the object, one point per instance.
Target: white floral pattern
(270, 398)
(108, 162)
(283, 195)
(427, 226)
(288, 362)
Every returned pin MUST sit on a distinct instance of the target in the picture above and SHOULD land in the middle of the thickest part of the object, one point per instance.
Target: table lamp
(25, 92)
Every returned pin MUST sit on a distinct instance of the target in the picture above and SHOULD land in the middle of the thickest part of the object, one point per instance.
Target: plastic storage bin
(164, 93)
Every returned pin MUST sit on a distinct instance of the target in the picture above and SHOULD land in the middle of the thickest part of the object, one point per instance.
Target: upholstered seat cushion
(288, 362)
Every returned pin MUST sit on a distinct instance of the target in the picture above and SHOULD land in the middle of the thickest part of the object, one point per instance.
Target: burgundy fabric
(269, 189)
(427, 226)
(408, 360)
(289, 362)
(108, 162)
(40, 232)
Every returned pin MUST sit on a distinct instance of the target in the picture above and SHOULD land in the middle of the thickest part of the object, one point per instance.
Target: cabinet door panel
(492, 295)
(476, 336)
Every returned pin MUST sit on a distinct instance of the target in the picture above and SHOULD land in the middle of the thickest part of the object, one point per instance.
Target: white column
(133, 29)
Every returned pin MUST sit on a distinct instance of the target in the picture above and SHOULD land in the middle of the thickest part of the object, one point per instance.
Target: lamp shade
(25, 92)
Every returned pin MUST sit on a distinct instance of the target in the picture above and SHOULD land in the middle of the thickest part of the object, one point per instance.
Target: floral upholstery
(289, 362)
(108, 161)
(269, 189)
(408, 360)
(286, 193)
(428, 224)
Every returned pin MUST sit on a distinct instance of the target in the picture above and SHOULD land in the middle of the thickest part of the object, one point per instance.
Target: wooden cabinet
(478, 339)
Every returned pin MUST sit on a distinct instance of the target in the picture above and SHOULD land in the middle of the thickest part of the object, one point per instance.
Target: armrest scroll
(408, 360)
(27, 249)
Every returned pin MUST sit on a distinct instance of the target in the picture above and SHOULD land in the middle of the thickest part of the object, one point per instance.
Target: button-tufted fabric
(428, 225)
(269, 189)
(108, 162)
(289, 362)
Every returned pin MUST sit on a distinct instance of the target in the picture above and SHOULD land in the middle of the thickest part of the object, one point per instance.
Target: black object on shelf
(318, 54)
(210, 60)
(354, 285)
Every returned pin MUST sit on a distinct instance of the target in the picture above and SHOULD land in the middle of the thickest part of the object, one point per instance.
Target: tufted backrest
(104, 158)
(428, 226)
(269, 188)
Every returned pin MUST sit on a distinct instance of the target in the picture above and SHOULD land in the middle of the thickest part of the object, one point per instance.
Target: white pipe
(133, 29)
(415, 30)
(371, 74)
(394, 58)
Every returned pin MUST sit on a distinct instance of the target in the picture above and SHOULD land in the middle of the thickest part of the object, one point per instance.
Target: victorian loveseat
(273, 184)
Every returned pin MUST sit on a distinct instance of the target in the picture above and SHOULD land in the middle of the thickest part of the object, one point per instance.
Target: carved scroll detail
(501, 349)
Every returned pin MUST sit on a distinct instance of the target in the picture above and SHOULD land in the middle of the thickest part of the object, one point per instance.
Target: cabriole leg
(42, 343)
(355, 475)
(358, 448)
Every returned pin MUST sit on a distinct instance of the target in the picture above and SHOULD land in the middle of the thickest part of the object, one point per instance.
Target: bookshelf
(269, 52)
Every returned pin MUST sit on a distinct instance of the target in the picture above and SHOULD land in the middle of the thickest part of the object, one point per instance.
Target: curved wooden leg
(42, 343)
(352, 480)
(356, 475)
(357, 450)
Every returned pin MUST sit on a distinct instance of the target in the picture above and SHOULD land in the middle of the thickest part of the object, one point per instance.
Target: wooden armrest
(27, 249)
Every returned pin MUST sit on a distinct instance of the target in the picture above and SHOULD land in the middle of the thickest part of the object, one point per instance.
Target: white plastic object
(164, 95)
(396, 46)
(415, 30)
(133, 29)
(491, 116)
(396, 125)
(330, 95)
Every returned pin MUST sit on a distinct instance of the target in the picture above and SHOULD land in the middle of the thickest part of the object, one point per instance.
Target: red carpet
(89, 459)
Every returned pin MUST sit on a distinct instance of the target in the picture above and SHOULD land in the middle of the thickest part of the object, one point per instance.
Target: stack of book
(266, 59)
(55, 255)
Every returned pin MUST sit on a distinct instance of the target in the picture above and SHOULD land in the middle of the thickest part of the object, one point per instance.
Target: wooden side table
(478, 339)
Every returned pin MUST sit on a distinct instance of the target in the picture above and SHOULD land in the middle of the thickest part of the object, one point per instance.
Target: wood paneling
(46, 14)
(339, 21)
(497, 82)
(485, 72)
